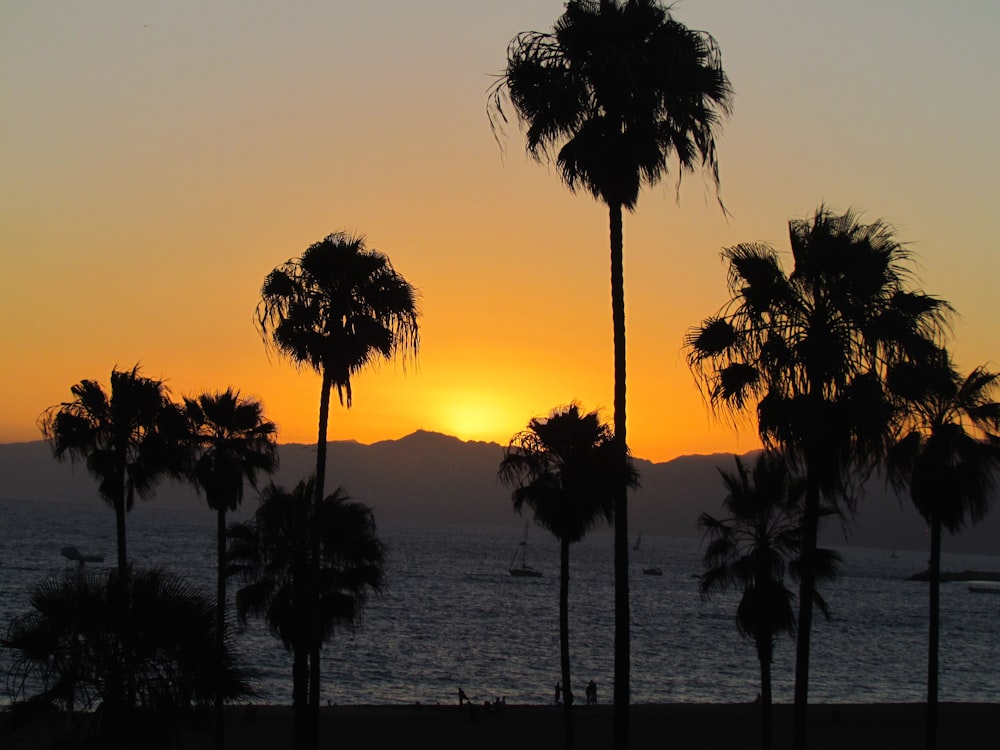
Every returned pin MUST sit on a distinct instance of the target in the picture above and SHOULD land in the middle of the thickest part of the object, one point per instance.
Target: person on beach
(591, 693)
(462, 697)
(558, 693)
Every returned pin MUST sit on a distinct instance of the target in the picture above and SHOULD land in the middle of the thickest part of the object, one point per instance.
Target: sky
(160, 158)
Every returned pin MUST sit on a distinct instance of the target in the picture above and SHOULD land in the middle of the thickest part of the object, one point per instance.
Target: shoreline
(680, 726)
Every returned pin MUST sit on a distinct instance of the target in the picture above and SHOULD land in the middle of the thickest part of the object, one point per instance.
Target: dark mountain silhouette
(432, 479)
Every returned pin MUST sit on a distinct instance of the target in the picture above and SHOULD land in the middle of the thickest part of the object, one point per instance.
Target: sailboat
(646, 571)
(522, 570)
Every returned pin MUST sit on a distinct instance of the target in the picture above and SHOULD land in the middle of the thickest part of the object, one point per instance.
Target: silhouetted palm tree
(612, 94)
(92, 643)
(338, 308)
(752, 550)
(232, 443)
(811, 350)
(948, 457)
(128, 439)
(566, 468)
(271, 554)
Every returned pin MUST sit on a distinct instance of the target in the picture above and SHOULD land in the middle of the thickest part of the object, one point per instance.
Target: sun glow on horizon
(472, 415)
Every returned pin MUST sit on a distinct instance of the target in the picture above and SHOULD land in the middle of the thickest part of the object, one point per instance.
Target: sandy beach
(674, 726)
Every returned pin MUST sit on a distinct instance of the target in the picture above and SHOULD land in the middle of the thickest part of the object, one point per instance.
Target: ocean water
(453, 617)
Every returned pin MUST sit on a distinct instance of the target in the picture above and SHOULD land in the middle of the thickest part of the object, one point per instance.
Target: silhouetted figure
(591, 693)
(558, 693)
(462, 697)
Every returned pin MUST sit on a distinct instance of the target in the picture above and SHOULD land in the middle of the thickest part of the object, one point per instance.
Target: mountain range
(432, 479)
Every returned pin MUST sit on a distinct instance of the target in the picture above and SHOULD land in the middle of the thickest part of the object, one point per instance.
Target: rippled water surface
(453, 617)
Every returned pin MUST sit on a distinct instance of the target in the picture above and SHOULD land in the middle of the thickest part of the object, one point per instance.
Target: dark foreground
(673, 726)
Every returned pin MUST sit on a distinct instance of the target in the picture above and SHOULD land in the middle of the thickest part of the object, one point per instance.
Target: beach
(674, 726)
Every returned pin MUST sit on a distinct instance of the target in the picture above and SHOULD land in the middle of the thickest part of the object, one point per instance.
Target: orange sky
(159, 161)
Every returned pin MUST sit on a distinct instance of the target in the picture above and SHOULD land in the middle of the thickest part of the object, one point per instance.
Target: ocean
(452, 617)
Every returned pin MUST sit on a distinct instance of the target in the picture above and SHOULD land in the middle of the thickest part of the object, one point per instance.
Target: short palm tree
(752, 550)
(128, 439)
(338, 308)
(232, 443)
(271, 555)
(948, 457)
(566, 469)
(92, 640)
(811, 350)
(613, 93)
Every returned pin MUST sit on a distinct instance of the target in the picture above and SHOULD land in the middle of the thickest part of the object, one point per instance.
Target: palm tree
(811, 350)
(566, 468)
(338, 308)
(271, 554)
(232, 443)
(92, 641)
(128, 439)
(948, 457)
(613, 93)
(752, 550)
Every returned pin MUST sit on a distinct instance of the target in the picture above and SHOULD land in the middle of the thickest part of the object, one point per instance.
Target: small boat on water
(652, 571)
(523, 570)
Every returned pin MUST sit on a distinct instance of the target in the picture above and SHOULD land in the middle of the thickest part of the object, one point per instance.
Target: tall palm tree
(613, 93)
(128, 439)
(948, 457)
(566, 469)
(338, 308)
(811, 349)
(752, 550)
(271, 554)
(232, 444)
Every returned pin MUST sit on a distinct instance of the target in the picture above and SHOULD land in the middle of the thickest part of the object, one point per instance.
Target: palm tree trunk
(127, 637)
(934, 634)
(300, 681)
(564, 643)
(314, 636)
(807, 586)
(764, 649)
(121, 507)
(220, 623)
(324, 420)
(120, 536)
(622, 619)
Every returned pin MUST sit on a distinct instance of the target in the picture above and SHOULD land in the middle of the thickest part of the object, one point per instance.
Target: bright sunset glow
(161, 158)
(472, 416)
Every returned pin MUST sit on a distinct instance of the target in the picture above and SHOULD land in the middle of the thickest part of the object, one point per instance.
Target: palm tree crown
(271, 556)
(948, 455)
(750, 549)
(233, 444)
(339, 308)
(129, 439)
(613, 92)
(565, 469)
(812, 348)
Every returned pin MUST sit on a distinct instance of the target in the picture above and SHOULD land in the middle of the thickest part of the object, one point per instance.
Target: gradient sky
(159, 158)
